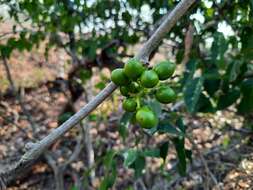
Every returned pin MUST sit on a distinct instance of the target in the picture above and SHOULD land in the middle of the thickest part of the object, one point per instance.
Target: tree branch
(39, 148)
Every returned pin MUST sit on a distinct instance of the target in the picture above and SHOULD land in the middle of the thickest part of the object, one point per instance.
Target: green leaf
(130, 156)
(218, 49)
(164, 150)
(93, 117)
(123, 132)
(191, 66)
(155, 107)
(5, 51)
(151, 153)
(74, 188)
(151, 131)
(64, 117)
(247, 42)
(246, 103)
(212, 80)
(204, 104)
(179, 145)
(212, 86)
(126, 118)
(109, 178)
(188, 154)
(84, 75)
(181, 125)
(234, 70)
(100, 85)
(124, 124)
(138, 165)
(227, 99)
(126, 17)
(110, 170)
(179, 56)
(134, 3)
(169, 128)
(108, 159)
(192, 91)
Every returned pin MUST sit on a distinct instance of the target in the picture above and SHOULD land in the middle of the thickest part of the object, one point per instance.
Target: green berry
(164, 69)
(133, 69)
(129, 105)
(146, 118)
(149, 79)
(119, 78)
(165, 95)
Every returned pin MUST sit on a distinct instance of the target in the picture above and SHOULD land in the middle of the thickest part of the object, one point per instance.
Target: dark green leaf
(212, 80)
(123, 132)
(191, 66)
(164, 150)
(85, 75)
(64, 117)
(181, 125)
(246, 103)
(228, 98)
(219, 47)
(126, 118)
(151, 153)
(126, 17)
(204, 104)
(151, 131)
(247, 42)
(155, 107)
(124, 122)
(188, 154)
(192, 91)
(138, 165)
(179, 145)
(168, 128)
(234, 70)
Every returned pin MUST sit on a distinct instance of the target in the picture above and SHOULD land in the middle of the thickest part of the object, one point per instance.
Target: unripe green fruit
(164, 69)
(129, 105)
(165, 95)
(133, 69)
(149, 79)
(119, 78)
(146, 118)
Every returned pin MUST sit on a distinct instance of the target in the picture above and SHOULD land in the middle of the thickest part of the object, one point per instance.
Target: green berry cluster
(134, 79)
